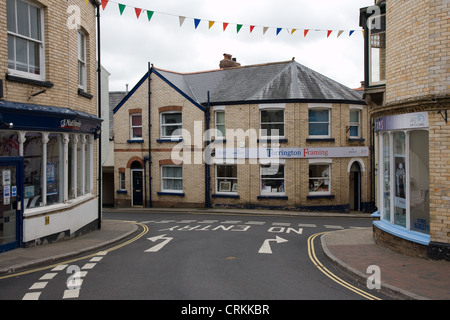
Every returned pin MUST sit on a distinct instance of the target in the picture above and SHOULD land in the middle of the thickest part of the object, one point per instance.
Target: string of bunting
(197, 21)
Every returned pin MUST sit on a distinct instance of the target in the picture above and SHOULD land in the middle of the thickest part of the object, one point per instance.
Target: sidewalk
(351, 250)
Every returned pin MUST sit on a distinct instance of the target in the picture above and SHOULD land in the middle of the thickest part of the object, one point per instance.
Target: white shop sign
(291, 153)
(402, 121)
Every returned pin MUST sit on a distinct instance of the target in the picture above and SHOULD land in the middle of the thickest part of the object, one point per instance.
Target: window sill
(356, 140)
(320, 140)
(268, 140)
(401, 232)
(58, 206)
(165, 193)
(35, 82)
(121, 191)
(218, 195)
(169, 140)
(85, 94)
(135, 141)
(280, 197)
(320, 196)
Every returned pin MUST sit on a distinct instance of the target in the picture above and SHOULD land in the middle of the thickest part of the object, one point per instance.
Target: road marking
(309, 225)
(256, 223)
(38, 285)
(71, 293)
(48, 276)
(159, 246)
(329, 274)
(88, 266)
(332, 227)
(265, 248)
(31, 296)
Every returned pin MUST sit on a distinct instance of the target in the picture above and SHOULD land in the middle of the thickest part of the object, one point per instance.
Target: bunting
(197, 21)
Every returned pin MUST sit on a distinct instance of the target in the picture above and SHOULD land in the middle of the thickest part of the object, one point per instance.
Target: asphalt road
(200, 257)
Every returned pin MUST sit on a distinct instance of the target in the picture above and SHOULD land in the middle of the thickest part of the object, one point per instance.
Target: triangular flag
(329, 32)
(181, 18)
(211, 23)
(350, 33)
(149, 14)
(278, 30)
(251, 28)
(265, 29)
(138, 12)
(339, 33)
(104, 3)
(121, 8)
(238, 27)
(86, 1)
(363, 33)
(225, 25)
(196, 22)
(293, 30)
(305, 32)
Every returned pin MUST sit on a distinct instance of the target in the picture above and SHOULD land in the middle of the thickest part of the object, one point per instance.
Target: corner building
(275, 135)
(48, 122)
(407, 90)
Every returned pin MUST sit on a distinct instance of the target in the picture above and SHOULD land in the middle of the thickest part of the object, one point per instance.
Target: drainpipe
(149, 140)
(207, 157)
(99, 107)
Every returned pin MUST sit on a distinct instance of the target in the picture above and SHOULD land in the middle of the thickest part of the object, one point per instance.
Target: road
(187, 257)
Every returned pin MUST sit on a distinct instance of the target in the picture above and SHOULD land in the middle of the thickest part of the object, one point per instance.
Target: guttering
(99, 107)
(149, 139)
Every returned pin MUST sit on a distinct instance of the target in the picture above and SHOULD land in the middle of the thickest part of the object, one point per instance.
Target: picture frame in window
(224, 186)
(235, 187)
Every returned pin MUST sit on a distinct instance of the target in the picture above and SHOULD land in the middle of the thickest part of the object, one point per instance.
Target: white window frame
(320, 162)
(163, 125)
(132, 137)
(122, 185)
(219, 135)
(41, 42)
(264, 192)
(172, 178)
(233, 180)
(320, 107)
(272, 107)
(82, 69)
(355, 124)
(370, 54)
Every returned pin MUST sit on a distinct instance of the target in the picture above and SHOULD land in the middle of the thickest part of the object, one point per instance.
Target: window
(55, 165)
(319, 123)
(355, 129)
(386, 176)
(226, 178)
(172, 178)
(272, 179)
(32, 168)
(136, 126)
(377, 49)
(272, 123)
(82, 75)
(319, 179)
(400, 178)
(122, 181)
(25, 39)
(220, 124)
(171, 125)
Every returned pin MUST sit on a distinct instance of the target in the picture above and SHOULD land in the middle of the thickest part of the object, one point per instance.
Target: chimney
(228, 62)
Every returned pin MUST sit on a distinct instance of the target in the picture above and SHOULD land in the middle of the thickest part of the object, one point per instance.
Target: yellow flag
(211, 23)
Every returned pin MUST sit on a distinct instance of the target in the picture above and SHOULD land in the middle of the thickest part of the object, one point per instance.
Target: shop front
(403, 176)
(47, 166)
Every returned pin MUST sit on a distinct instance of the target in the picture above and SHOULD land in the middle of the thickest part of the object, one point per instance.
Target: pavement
(350, 250)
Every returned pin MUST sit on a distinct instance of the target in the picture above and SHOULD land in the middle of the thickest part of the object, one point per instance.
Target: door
(355, 187)
(136, 176)
(11, 182)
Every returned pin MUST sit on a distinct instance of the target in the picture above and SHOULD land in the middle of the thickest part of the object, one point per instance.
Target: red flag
(306, 32)
(251, 28)
(104, 3)
(225, 25)
(138, 12)
(329, 32)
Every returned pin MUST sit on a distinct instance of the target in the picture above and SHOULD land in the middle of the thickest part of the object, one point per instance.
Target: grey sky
(128, 43)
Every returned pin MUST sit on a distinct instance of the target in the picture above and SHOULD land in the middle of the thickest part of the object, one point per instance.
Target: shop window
(25, 40)
(55, 165)
(399, 144)
(319, 123)
(272, 179)
(171, 124)
(386, 177)
(319, 179)
(172, 179)
(32, 159)
(9, 144)
(80, 165)
(226, 179)
(88, 167)
(136, 126)
(82, 74)
(272, 123)
(355, 124)
(220, 124)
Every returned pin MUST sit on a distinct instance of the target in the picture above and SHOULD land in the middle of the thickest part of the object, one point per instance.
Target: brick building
(48, 122)
(275, 135)
(407, 90)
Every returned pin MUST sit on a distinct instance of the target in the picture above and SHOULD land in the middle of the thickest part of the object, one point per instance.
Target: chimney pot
(228, 62)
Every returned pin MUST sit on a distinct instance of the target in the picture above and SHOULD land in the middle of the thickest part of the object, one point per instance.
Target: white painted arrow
(159, 245)
(265, 248)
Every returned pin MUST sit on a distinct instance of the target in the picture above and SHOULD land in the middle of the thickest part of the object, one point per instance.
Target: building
(48, 121)
(407, 89)
(275, 135)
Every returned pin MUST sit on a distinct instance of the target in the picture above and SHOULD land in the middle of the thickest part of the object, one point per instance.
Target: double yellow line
(329, 274)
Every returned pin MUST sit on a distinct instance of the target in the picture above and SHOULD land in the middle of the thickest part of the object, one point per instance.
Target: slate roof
(266, 82)
(287, 81)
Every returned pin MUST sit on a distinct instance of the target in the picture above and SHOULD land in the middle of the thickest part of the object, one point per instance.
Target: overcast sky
(128, 43)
